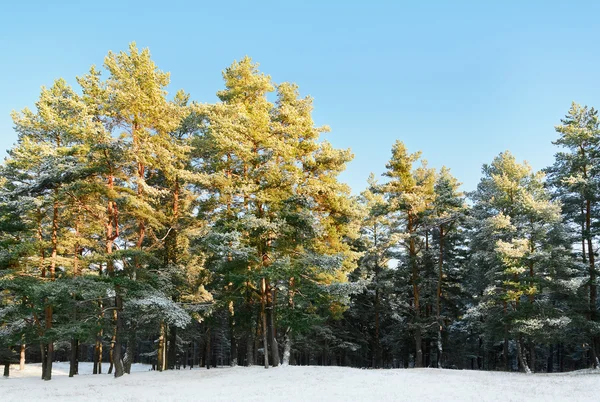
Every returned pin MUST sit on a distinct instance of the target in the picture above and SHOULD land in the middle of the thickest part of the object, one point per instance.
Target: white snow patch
(298, 383)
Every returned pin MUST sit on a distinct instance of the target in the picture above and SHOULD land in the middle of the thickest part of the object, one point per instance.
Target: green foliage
(130, 216)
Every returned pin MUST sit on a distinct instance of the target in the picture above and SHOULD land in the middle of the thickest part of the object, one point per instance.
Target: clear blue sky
(461, 81)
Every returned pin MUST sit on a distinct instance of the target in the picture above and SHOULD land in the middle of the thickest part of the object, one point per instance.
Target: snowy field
(295, 383)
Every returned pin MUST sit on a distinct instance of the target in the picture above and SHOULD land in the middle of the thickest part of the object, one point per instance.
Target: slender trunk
(95, 359)
(376, 341)
(419, 346)
(22, 357)
(250, 361)
(271, 324)
(257, 337)
(117, 360)
(532, 355)
(113, 341)
(287, 347)
(415, 285)
(48, 349)
(592, 274)
(141, 223)
(48, 355)
(376, 354)
(505, 347)
(6, 369)
(141, 177)
(583, 236)
(233, 343)
(531, 299)
(77, 246)
(249, 348)
(54, 236)
(550, 362)
(110, 267)
(98, 350)
(439, 299)
(130, 350)
(160, 353)
(522, 358)
(208, 350)
(263, 301)
(44, 360)
(98, 345)
(74, 357)
(480, 362)
(172, 355)
(561, 353)
(40, 238)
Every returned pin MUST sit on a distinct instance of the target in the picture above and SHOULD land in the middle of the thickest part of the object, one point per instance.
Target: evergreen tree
(514, 236)
(410, 195)
(574, 176)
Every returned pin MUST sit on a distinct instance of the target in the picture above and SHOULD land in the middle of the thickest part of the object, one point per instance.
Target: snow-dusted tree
(446, 220)
(410, 196)
(47, 161)
(512, 245)
(266, 162)
(575, 179)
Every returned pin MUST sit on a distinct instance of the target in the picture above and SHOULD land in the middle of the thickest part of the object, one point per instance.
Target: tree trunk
(208, 350)
(141, 223)
(550, 363)
(95, 358)
(532, 356)
(130, 350)
(271, 325)
(48, 350)
(505, 347)
(99, 353)
(6, 369)
(77, 247)
(263, 301)
(419, 347)
(161, 352)
(74, 357)
(376, 341)
(412, 253)
(54, 236)
(521, 357)
(561, 357)
(249, 349)
(98, 346)
(287, 347)
(233, 344)
(438, 363)
(22, 358)
(113, 341)
(43, 356)
(117, 360)
(40, 238)
(592, 273)
(172, 355)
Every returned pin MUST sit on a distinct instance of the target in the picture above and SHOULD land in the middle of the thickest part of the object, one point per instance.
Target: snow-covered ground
(305, 383)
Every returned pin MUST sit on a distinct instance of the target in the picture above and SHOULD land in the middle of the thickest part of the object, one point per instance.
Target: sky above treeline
(461, 81)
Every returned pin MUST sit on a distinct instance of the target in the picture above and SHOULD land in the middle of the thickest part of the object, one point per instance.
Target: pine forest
(139, 226)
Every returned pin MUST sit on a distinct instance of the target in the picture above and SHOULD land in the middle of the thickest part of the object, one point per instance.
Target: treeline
(137, 227)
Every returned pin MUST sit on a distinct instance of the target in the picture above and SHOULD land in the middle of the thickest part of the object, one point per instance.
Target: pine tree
(574, 176)
(517, 219)
(265, 163)
(410, 195)
(449, 213)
